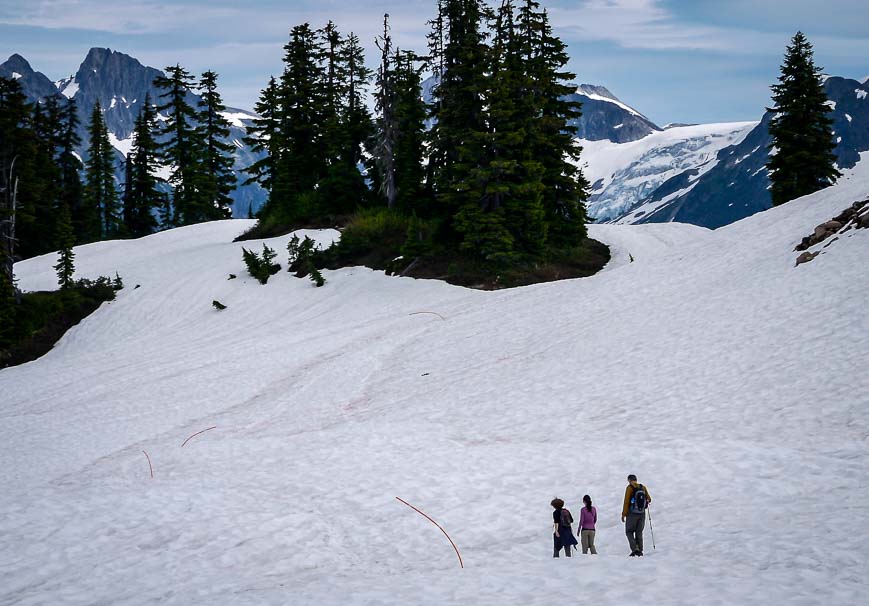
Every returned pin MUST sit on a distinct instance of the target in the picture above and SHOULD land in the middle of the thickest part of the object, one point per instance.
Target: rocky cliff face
(604, 116)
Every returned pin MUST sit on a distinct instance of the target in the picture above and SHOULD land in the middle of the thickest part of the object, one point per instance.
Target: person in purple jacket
(587, 520)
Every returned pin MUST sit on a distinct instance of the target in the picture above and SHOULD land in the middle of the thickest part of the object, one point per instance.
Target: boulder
(806, 257)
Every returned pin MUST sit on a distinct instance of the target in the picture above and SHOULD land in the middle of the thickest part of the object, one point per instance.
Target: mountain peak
(35, 84)
(594, 89)
(17, 63)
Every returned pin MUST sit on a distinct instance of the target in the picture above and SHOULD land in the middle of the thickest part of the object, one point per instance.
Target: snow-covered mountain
(733, 183)
(623, 173)
(732, 382)
(606, 117)
(120, 83)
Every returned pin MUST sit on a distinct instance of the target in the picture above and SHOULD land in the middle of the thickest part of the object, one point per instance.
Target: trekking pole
(651, 529)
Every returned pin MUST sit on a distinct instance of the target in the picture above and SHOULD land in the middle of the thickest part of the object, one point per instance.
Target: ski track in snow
(730, 381)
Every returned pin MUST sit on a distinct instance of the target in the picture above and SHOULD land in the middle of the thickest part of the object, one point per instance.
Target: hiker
(563, 535)
(637, 499)
(587, 520)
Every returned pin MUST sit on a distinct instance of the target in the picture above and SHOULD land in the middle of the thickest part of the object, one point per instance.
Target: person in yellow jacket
(636, 501)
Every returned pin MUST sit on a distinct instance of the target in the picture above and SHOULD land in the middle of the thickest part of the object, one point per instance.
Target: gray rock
(806, 257)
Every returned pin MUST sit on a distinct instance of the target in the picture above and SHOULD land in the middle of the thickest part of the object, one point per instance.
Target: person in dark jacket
(637, 499)
(563, 533)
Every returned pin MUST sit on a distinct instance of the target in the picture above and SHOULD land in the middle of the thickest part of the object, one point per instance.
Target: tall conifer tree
(100, 193)
(182, 146)
(302, 161)
(555, 145)
(409, 147)
(387, 128)
(265, 136)
(17, 151)
(145, 194)
(801, 130)
(72, 193)
(217, 155)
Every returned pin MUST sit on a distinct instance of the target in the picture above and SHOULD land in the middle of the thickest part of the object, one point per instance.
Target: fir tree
(554, 141)
(509, 218)
(801, 129)
(302, 161)
(17, 151)
(461, 139)
(346, 123)
(127, 202)
(265, 136)
(100, 193)
(356, 119)
(84, 221)
(182, 146)
(409, 145)
(387, 129)
(65, 238)
(35, 227)
(218, 179)
(145, 196)
(458, 138)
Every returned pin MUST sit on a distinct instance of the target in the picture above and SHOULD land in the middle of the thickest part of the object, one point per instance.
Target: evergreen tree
(343, 186)
(509, 218)
(302, 160)
(387, 129)
(265, 136)
(65, 238)
(14, 141)
(127, 201)
(554, 140)
(84, 221)
(409, 145)
(801, 130)
(182, 147)
(461, 138)
(17, 155)
(100, 193)
(36, 221)
(145, 195)
(218, 179)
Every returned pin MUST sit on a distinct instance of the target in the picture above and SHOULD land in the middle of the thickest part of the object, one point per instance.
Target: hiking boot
(640, 554)
(634, 554)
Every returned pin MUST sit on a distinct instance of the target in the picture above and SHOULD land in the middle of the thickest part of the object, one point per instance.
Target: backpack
(566, 518)
(639, 502)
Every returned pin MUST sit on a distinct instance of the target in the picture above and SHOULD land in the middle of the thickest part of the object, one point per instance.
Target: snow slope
(730, 381)
(622, 174)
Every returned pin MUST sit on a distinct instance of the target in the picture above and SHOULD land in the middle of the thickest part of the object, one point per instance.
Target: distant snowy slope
(730, 381)
(737, 186)
(623, 173)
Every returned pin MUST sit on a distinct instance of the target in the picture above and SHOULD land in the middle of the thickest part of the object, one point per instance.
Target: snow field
(728, 380)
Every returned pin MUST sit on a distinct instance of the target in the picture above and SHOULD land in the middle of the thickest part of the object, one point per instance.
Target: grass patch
(43, 318)
(401, 245)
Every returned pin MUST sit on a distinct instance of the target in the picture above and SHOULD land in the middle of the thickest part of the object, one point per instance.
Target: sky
(689, 61)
